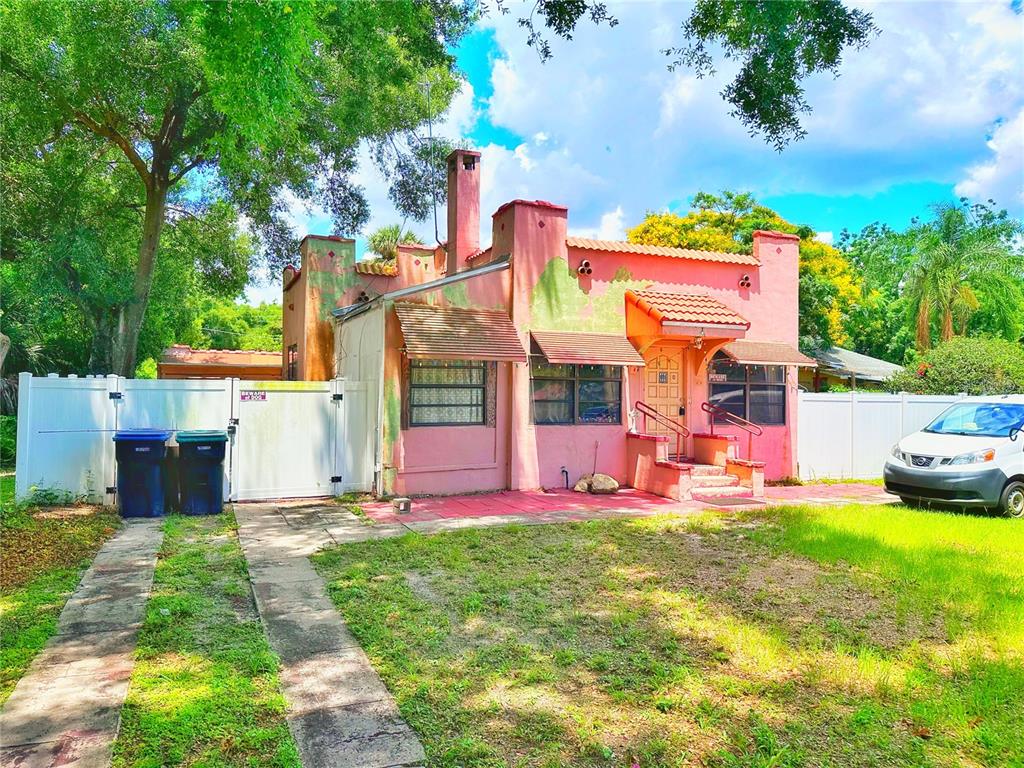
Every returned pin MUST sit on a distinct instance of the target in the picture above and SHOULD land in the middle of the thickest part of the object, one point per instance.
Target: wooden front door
(664, 386)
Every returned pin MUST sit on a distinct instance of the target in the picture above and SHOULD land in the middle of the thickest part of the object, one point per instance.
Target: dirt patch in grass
(715, 641)
(40, 541)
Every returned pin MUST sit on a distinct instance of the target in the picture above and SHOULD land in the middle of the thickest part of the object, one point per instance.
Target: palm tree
(957, 259)
(384, 242)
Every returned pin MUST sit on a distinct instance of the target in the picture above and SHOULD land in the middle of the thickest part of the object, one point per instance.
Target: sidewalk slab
(339, 710)
(66, 710)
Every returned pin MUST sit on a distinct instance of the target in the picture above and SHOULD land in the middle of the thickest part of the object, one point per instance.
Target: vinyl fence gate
(288, 439)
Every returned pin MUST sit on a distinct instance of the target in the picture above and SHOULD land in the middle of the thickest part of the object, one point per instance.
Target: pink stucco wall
(543, 291)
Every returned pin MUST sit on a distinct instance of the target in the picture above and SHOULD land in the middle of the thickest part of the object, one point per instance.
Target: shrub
(976, 366)
(8, 441)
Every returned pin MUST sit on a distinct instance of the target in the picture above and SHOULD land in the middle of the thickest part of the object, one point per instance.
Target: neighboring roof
(183, 354)
(455, 333)
(848, 363)
(686, 308)
(619, 246)
(377, 267)
(479, 253)
(766, 353)
(586, 348)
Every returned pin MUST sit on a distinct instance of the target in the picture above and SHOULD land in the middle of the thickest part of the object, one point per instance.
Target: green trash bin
(201, 471)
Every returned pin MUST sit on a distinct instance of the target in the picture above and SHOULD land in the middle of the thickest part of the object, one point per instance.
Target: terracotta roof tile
(454, 333)
(686, 308)
(766, 353)
(619, 246)
(479, 254)
(587, 348)
(377, 267)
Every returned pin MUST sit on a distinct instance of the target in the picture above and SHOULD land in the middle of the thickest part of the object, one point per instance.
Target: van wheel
(1012, 501)
(908, 501)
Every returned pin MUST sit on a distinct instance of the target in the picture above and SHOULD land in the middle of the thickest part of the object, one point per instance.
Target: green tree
(965, 255)
(384, 241)
(778, 43)
(71, 239)
(230, 325)
(977, 366)
(829, 284)
(254, 98)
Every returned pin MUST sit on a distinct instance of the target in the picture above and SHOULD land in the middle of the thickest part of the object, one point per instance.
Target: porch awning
(766, 353)
(454, 333)
(686, 309)
(586, 348)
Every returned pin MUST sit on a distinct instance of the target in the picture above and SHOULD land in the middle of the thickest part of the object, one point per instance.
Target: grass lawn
(205, 689)
(43, 552)
(815, 636)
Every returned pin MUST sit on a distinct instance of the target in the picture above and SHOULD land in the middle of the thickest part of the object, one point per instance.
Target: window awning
(586, 348)
(454, 333)
(766, 353)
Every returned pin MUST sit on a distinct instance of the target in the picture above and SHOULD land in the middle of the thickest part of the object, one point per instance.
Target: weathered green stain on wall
(456, 294)
(558, 301)
(333, 276)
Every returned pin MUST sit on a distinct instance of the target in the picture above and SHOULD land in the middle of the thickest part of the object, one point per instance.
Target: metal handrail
(737, 421)
(665, 421)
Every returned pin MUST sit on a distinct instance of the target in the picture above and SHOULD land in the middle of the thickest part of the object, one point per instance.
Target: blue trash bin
(201, 471)
(140, 471)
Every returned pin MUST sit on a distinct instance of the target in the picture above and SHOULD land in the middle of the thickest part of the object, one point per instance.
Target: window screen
(446, 392)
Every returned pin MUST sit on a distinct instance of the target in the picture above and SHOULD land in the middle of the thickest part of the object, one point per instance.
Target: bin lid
(158, 435)
(202, 436)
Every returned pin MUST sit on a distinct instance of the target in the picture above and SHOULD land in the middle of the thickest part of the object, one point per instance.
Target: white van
(972, 455)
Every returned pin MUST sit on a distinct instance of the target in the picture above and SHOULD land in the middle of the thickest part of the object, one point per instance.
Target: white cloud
(612, 227)
(1001, 177)
(825, 237)
(608, 131)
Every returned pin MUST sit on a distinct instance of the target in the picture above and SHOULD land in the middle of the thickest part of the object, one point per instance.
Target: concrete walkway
(339, 711)
(66, 709)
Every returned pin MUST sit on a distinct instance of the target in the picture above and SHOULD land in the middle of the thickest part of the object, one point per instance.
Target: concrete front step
(713, 492)
(714, 481)
(705, 470)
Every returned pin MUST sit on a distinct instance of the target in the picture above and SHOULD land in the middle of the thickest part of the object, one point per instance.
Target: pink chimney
(463, 207)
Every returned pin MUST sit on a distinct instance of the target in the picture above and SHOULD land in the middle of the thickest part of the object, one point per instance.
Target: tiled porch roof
(454, 333)
(587, 348)
(377, 267)
(686, 308)
(619, 246)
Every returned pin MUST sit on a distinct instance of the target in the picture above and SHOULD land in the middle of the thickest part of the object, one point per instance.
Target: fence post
(853, 432)
(22, 459)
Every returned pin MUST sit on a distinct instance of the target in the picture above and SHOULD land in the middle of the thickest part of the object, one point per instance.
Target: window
(575, 394)
(446, 392)
(753, 392)
(293, 362)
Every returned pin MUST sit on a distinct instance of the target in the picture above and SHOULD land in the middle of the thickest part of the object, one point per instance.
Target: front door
(664, 388)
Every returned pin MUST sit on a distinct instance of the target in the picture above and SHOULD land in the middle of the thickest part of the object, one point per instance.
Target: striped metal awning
(766, 353)
(455, 333)
(586, 348)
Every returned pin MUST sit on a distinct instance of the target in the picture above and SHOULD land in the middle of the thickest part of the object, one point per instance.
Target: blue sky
(933, 109)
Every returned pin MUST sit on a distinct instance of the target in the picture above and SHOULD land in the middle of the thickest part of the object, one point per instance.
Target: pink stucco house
(543, 357)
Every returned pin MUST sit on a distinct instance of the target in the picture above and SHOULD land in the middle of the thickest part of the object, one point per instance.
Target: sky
(931, 110)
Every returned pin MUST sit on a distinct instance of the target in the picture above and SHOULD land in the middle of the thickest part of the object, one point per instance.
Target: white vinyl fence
(288, 439)
(848, 435)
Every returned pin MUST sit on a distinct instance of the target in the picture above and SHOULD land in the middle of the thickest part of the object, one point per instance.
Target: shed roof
(455, 333)
(849, 363)
(586, 348)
